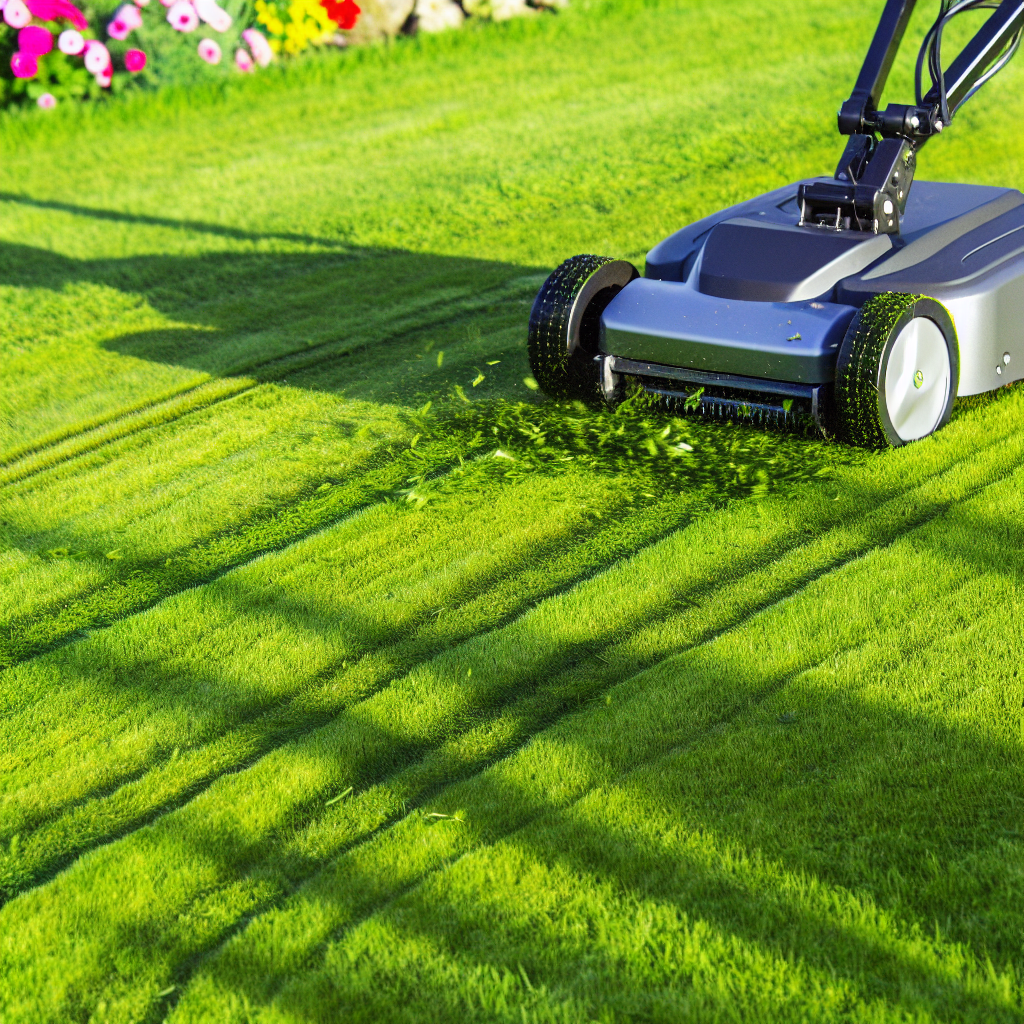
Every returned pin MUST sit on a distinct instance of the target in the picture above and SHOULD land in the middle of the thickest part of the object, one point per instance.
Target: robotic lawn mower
(857, 302)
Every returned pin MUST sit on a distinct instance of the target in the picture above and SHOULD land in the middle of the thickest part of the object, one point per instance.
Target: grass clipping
(652, 452)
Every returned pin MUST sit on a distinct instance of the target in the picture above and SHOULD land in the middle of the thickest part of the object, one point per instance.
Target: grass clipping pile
(651, 452)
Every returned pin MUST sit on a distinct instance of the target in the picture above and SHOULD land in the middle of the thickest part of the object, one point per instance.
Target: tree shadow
(670, 820)
(352, 321)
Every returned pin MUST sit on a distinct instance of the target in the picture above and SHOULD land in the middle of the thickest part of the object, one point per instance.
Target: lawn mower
(861, 304)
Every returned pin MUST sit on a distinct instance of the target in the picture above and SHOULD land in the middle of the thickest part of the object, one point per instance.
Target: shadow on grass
(374, 303)
(369, 323)
(809, 872)
(822, 839)
(149, 220)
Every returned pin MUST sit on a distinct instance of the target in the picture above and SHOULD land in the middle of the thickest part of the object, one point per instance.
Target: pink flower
(135, 60)
(242, 60)
(97, 57)
(16, 14)
(141, 3)
(104, 78)
(213, 14)
(125, 20)
(51, 10)
(131, 14)
(209, 51)
(24, 65)
(182, 16)
(261, 51)
(35, 40)
(47, 101)
(70, 42)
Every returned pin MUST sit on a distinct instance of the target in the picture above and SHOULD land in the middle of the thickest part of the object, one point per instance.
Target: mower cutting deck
(855, 302)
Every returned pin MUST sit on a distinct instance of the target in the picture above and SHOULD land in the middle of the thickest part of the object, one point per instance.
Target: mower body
(750, 305)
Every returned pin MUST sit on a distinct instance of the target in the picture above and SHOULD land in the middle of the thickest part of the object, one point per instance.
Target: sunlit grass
(344, 678)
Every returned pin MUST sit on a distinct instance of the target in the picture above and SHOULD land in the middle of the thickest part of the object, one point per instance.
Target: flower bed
(53, 52)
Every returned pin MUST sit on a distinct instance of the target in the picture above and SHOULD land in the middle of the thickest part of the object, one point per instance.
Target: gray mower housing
(752, 300)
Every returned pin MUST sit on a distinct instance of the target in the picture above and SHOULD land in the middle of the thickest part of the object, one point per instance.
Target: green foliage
(345, 678)
(64, 78)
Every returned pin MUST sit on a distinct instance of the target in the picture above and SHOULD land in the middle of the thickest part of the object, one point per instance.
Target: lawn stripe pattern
(343, 678)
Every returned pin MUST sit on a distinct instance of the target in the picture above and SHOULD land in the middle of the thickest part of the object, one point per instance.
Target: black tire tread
(559, 374)
(858, 419)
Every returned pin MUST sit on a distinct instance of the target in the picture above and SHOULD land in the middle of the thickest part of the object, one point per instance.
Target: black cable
(931, 48)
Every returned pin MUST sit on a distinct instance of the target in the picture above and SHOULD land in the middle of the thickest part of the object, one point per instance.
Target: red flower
(344, 14)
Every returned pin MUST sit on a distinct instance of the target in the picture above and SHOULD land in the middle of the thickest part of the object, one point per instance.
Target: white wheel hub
(917, 379)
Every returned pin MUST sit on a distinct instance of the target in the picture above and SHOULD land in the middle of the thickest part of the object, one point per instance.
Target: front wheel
(898, 372)
(565, 324)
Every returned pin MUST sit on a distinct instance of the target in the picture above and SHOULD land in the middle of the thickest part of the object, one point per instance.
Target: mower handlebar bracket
(877, 167)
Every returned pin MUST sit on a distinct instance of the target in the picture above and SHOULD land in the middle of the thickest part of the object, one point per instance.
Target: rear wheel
(565, 324)
(897, 373)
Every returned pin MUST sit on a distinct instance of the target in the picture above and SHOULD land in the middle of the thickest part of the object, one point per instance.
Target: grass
(343, 678)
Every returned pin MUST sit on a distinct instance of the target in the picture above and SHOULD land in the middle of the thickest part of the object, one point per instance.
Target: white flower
(213, 14)
(16, 14)
(182, 16)
(438, 15)
(97, 58)
(70, 42)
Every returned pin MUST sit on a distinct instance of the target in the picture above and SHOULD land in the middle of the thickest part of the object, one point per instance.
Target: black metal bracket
(876, 170)
(855, 113)
(870, 191)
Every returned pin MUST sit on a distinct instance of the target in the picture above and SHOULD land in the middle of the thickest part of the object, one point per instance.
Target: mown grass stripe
(58, 437)
(727, 610)
(347, 893)
(501, 659)
(450, 439)
(146, 585)
(138, 796)
(64, 445)
(443, 607)
(121, 426)
(379, 667)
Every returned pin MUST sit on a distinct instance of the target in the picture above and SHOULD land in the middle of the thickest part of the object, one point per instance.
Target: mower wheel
(898, 372)
(565, 324)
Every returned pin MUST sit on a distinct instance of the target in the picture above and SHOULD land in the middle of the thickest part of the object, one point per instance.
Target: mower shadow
(149, 220)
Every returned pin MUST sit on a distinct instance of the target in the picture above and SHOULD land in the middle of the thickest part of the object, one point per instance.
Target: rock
(497, 10)
(380, 19)
(438, 15)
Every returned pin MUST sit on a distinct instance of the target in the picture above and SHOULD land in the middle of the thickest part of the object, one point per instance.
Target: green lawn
(344, 679)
